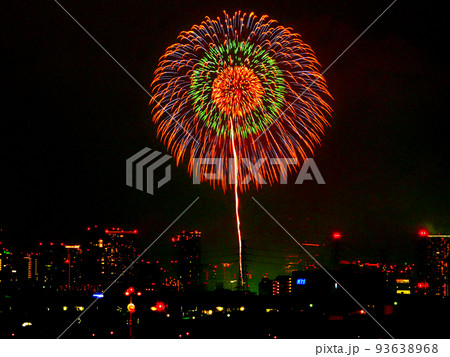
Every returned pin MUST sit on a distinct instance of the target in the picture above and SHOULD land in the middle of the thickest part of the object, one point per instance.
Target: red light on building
(88, 228)
(160, 306)
(135, 231)
(423, 285)
(139, 293)
(127, 293)
(337, 235)
(423, 233)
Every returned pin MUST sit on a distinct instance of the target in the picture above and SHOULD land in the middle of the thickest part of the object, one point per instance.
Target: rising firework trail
(240, 87)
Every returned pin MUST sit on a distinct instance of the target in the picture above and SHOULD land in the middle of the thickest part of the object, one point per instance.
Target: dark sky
(71, 117)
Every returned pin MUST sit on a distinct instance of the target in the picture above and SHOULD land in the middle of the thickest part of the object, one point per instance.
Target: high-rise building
(110, 252)
(188, 262)
(31, 267)
(50, 265)
(437, 248)
(74, 267)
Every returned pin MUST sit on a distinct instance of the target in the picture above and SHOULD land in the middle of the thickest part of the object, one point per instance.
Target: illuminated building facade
(8, 273)
(73, 267)
(282, 285)
(188, 261)
(50, 265)
(31, 267)
(110, 252)
(437, 249)
(301, 261)
(403, 286)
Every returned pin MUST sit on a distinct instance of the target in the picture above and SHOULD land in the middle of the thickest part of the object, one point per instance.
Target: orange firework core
(237, 91)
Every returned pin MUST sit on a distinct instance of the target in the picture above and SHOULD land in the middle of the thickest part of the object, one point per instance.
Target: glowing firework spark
(232, 80)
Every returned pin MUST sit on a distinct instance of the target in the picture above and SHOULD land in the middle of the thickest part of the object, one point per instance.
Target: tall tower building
(188, 262)
(31, 267)
(73, 267)
(437, 248)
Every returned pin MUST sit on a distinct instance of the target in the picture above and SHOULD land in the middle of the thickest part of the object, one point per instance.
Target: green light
(230, 54)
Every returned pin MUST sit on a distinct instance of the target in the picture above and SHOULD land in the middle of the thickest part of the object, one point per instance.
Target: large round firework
(240, 87)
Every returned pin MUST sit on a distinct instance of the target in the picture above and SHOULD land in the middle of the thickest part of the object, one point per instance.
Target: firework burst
(240, 87)
(242, 78)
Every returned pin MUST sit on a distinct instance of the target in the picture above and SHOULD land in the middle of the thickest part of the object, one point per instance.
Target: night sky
(71, 117)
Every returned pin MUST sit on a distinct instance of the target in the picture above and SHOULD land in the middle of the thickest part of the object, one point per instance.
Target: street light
(131, 307)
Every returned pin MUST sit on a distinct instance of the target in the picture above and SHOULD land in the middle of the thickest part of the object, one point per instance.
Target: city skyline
(95, 268)
(71, 278)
